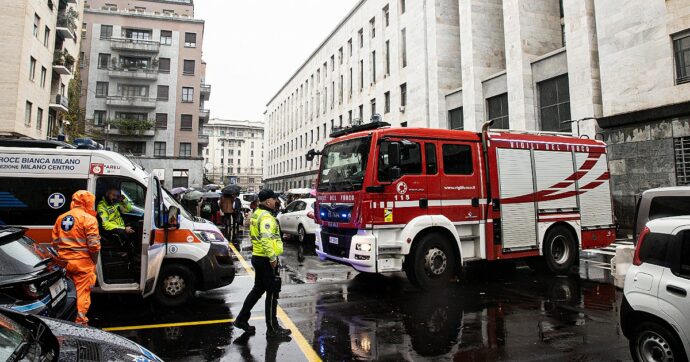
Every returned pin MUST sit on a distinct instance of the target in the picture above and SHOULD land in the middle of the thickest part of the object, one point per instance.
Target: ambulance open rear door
(152, 250)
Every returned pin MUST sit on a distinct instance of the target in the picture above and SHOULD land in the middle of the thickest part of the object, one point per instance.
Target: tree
(75, 113)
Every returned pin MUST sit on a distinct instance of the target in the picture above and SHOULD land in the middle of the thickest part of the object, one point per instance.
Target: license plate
(57, 288)
(333, 240)
(385, 263)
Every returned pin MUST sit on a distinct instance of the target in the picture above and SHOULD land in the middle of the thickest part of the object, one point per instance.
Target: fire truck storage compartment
(554, 172)
(518, 208)
(595, 190)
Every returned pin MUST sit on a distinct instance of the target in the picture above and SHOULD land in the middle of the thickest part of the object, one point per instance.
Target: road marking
(180, 324)
(296, 334)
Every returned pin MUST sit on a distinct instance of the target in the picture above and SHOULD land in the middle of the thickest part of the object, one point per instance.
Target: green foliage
(131, 126)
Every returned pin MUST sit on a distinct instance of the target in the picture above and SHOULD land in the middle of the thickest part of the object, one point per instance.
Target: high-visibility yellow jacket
(110, 214)
(265, 234)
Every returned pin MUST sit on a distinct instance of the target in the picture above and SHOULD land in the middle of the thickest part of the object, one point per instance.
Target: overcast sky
(252, 47)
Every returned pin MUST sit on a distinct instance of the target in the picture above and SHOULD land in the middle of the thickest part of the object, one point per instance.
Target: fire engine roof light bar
(375, 123)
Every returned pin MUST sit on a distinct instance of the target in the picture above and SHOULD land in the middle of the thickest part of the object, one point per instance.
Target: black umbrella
(231, 190)
(211, 195)
(193, 195)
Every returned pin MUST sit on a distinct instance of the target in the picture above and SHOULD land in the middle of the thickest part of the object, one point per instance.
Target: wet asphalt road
(498, 312)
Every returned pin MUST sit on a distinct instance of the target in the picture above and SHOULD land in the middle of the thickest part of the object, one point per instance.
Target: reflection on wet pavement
(497, 312)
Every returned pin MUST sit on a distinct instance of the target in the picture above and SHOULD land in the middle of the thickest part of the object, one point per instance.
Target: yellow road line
(180, 324)
(296, 334)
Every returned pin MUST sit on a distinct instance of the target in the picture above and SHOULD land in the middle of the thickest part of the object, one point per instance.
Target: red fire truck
(427, 201)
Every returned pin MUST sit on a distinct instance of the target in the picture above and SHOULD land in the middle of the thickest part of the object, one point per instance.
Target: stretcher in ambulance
(171, 254)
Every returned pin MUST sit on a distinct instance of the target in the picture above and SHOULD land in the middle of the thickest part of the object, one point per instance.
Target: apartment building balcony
(204, 114)
(131, 128)
(203, 139)
(134, 45)
(131, 102)
(128, 134)
(133, 73)
(66, 27)
(205, 91)
(60, 104)
(63, 62)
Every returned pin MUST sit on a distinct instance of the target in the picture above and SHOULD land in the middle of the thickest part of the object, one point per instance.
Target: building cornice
(311, 56)
(144, 16)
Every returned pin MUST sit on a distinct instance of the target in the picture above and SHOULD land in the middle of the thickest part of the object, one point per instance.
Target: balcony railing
(131, 101)
(203, 139)
(206, 91)
(133, 73)
(204, 113)
(61, 103)
(135, 45)
(63, 62)
(66, 26)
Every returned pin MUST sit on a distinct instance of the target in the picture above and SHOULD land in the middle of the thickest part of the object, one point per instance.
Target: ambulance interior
(121, 257)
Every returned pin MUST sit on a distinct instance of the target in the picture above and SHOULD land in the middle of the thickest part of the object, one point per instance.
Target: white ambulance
(171, 255)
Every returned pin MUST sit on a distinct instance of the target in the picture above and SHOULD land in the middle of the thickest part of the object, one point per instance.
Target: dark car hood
(95, 344)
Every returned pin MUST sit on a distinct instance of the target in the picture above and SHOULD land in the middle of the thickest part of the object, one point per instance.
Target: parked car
(298, 220)
(26, 337)
(655, 311)
(31, 280)
(247, 200)
(660, 202)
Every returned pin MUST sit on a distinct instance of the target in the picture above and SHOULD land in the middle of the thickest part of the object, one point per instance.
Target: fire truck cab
(427, 201)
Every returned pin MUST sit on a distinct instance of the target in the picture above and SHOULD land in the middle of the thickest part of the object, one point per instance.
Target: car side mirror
(311, 154)
(172, 221)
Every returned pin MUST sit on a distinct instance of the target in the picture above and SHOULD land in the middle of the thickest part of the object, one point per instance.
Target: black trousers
(264, 282)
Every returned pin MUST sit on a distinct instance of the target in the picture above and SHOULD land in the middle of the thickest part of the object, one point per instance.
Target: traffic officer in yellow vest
(110, 209)
(267, 245)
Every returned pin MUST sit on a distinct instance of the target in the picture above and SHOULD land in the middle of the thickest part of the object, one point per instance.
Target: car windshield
(170, 201)
(343, 165)
(12, 336)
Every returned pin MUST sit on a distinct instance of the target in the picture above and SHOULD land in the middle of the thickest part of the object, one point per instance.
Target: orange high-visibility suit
(77, 241)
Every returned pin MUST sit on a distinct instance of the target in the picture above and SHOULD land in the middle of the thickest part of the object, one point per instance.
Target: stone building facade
(144, 84)
(40, 43)
(615, 70)
(235, 153)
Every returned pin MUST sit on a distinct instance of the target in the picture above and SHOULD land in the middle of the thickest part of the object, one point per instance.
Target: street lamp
(578, 122)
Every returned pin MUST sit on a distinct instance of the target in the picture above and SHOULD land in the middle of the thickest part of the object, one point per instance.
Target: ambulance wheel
(432, 262)
(560, 250)
(175, 285)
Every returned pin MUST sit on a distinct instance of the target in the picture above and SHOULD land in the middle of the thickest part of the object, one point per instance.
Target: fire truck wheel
(560, 250)
(433, 262)
(175, 285)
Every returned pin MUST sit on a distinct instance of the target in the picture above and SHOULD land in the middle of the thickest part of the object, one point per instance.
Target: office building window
(361, 75)
(373, 106)
(332, 63)
(372, 27)
(340, 55)
(103, 61)
(361, 114)
(403, 47)
(360, 37)
(386, 102)
(161, 120)
(99, 118)
(188, 67)
(498, 111)
(386, 16)
(403, 94)
(46, 36)
(106, 31)
(164, 65)
(681, 50)
(186, 122)
(32, 68)
(39, 117)
(159, 149)
(27, 113)
(351, 81)
(44, 72)
(190, 40)
(187, 94)
(37, 24)
(387, 64)
(402, 6)
(373, 67)
(554, 104)
(163, 92)
(455, 120)
(185, 149)
(101, 89)
(166, 39)
(349, 47)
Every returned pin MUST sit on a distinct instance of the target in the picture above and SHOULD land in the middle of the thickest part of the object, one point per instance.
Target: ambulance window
(134, 192)
(431, 164)
(457, 160)
(36, 201)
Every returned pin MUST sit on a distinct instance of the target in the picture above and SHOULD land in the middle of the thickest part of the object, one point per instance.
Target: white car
(655, 312)
(298, 220)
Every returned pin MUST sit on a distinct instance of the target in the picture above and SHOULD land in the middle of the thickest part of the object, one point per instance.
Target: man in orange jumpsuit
(76, 239)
